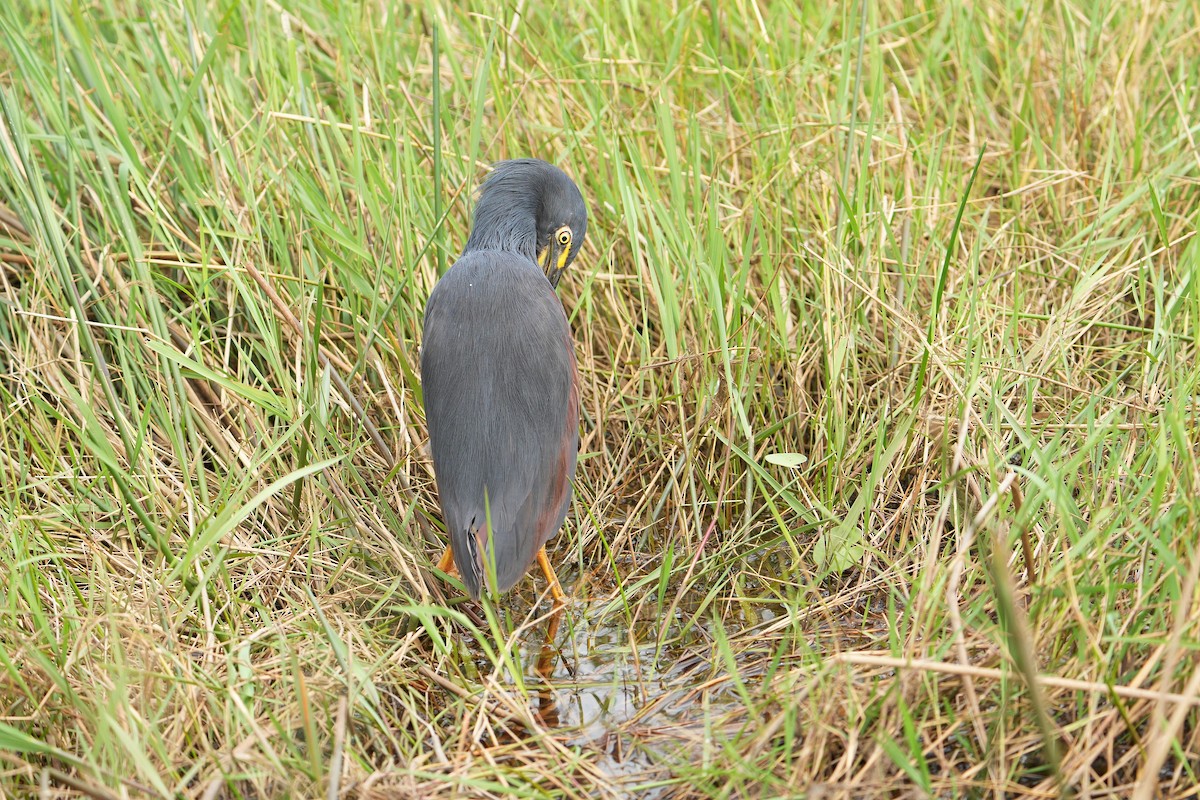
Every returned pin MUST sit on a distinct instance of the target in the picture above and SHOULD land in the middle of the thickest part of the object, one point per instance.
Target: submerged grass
(886, 324)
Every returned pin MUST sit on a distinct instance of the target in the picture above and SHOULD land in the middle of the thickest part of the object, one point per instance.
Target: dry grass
(947, 256)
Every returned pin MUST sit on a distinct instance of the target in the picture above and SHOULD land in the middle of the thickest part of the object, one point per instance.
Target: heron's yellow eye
(564, 236)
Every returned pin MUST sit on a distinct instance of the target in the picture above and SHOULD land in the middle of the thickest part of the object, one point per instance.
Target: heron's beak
(553, 261)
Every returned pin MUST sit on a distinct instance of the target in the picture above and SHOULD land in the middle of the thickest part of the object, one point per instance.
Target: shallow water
(604, 694)
(639, 709)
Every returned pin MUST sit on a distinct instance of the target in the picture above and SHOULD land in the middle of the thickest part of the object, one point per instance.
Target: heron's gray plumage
(499, 378)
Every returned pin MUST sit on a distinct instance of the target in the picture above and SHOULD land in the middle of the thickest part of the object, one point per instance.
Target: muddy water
(636, 708)
(641, 694)
(603, 691)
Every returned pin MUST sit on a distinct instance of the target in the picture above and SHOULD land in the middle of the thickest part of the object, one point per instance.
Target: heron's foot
(560, 597)
(446, 565)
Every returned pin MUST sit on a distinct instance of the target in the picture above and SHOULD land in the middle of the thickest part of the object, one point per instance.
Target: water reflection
(596, 686)
(599, 682)
(546, 709)
(583, 675)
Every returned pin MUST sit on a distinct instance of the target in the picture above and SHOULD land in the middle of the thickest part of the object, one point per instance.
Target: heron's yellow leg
(560, 598)
(446, 565)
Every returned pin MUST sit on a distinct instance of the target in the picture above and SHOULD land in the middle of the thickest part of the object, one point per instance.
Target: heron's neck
(512, 229)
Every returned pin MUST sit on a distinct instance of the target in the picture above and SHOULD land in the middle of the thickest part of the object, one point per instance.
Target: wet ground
(607, 694)
(638, 707)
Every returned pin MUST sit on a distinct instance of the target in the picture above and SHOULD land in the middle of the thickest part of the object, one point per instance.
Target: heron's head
(532, 207)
